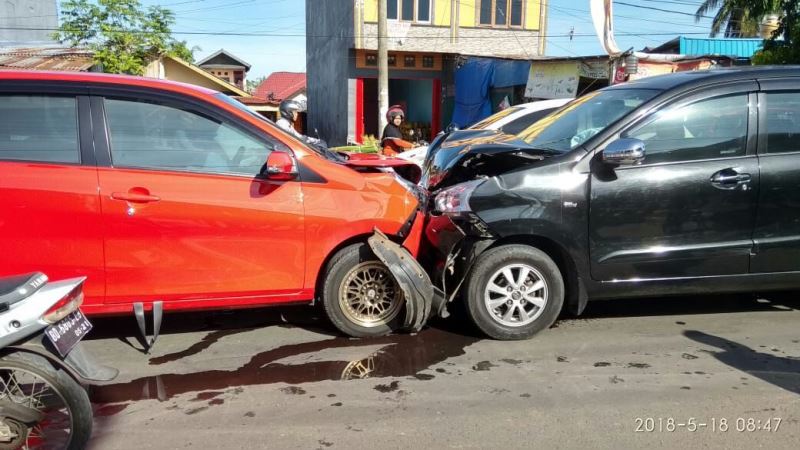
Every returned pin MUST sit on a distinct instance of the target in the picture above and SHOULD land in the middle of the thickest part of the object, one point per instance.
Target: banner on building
(594, 69)
(650, 69)
(553, 80)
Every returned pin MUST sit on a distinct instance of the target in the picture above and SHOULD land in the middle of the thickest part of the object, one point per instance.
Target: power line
(332, 36)
(616, 16)
(661, 10)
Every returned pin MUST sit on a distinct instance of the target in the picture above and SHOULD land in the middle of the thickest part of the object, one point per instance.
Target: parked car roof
(104, 78)
(701, 77)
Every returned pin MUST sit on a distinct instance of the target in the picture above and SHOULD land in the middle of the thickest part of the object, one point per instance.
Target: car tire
(517, 308)
(360, 296)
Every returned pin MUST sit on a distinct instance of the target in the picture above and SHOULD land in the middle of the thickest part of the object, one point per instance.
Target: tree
(741, 18)
(783, 47)
(254, 83)
(124, 36)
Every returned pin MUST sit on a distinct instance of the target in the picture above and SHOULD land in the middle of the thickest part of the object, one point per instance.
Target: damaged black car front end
(476, 181)
(488, 191)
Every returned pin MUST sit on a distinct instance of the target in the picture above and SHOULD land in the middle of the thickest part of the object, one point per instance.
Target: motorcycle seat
(18, 287)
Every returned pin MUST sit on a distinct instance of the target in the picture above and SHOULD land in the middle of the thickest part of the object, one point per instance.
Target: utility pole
(383, 67)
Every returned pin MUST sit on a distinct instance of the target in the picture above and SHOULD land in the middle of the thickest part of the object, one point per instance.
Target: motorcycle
(43, 365)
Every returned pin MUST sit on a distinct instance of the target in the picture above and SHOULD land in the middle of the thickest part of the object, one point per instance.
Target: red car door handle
(134, 198)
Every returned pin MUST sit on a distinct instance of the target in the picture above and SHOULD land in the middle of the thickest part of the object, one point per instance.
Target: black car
(678, 184)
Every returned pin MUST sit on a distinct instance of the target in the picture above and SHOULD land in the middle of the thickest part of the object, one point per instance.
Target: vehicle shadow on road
(689, 305)
(780, 371)
(219, 324)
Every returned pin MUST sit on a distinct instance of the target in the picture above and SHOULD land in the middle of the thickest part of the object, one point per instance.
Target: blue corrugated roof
(743, 48)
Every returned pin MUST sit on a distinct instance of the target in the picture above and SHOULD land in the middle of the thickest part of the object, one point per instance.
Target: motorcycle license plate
(66, 333)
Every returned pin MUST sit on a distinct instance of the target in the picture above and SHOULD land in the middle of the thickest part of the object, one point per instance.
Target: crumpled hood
(404, 168)
(456, 157)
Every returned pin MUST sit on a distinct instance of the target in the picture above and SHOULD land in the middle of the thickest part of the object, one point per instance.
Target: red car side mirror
(280, 167)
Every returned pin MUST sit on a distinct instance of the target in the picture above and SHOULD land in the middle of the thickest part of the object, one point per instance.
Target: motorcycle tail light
(67, 304)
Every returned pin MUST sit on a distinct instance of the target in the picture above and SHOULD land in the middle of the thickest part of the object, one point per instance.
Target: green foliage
(123, 34)
(784, 45)
(741, 18)
(370, 145)
(779, 52)
(253, 84)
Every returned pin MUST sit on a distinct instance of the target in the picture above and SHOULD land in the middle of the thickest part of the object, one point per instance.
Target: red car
(174, 197)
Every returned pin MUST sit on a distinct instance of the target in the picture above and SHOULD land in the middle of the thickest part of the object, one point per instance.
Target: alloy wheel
(369, 295)
(516, 295)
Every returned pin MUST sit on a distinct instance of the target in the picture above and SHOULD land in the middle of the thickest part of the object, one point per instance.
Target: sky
(641, 25)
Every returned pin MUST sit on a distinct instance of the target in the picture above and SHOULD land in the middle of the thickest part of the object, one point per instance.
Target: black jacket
(391, 131)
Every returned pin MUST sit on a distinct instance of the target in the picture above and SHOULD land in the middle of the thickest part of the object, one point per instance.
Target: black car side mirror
(450, 128)
(624, 152)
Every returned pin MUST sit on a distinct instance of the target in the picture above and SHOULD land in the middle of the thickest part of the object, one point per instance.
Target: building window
(410, 61)
(423, 10)
(392, 61)
(500, 13)
(427, 62)
(372, 59)
(516, 13)
(409, 10)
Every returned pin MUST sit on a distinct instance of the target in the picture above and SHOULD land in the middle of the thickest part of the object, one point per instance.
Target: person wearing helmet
(392, 139)
(290, 110)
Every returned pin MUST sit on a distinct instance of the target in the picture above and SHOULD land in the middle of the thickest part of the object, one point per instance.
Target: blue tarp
(472, 92)
(510, 73)
(473, 81)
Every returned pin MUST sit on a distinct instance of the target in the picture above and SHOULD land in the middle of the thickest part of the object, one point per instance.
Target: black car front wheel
(514, 291)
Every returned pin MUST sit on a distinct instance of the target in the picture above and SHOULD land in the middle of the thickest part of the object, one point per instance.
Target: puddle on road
(397, 355)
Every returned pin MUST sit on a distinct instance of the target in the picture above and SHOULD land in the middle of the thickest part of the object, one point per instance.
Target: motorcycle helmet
(287, 107)
(394, 111)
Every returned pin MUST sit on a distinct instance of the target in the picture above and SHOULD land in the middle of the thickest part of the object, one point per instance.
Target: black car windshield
(583, 118)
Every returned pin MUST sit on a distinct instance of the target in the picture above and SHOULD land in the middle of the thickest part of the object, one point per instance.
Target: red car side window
(39, 128)
(150, 135)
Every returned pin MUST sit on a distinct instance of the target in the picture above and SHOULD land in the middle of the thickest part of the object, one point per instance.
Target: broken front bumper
(459, 241)
(423, 299)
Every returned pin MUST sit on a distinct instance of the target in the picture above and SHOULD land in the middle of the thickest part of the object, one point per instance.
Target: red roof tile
(256, 101)
(282, 85)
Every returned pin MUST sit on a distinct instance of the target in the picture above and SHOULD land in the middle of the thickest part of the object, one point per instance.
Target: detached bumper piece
(423, 300)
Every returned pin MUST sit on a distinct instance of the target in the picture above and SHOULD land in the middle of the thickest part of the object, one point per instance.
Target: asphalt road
(709, 372)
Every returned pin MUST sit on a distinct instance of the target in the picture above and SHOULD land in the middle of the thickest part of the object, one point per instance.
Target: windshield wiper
(545, 145)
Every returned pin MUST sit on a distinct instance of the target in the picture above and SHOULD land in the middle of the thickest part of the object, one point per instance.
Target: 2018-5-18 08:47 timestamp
(712, 424)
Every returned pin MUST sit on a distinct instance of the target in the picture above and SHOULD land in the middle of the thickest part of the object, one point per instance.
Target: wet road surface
(627, 374)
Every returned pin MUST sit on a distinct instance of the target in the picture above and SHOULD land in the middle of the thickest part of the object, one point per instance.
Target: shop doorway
(420, 99)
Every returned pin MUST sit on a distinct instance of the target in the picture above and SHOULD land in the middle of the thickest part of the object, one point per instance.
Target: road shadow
(689, 305)
(304, 316)
(388, 356)
(218, 324)
(783, 372)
